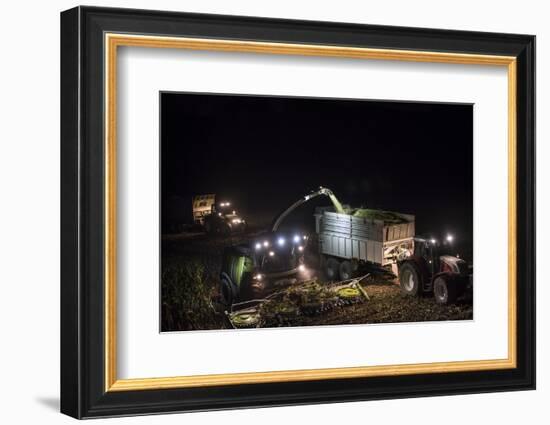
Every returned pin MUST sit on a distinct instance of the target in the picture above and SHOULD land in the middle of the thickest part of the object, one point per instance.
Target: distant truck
(216, 217)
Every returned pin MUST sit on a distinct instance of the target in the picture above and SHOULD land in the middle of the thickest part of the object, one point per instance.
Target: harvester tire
(409, 279)
(228, 293)
(332, 269)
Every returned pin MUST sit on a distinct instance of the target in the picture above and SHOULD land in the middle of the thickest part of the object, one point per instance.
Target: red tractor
(433, 269)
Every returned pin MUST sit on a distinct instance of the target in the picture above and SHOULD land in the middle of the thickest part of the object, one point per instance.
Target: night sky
(263, 153)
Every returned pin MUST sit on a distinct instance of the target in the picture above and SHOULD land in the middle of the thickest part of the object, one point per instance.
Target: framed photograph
(261, 212)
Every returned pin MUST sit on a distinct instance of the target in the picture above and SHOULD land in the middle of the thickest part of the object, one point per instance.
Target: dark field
(191, 263)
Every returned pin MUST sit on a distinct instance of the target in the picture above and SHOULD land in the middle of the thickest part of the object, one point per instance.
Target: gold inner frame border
(111, 43)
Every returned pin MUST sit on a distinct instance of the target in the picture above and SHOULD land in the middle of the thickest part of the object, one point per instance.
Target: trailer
(362, 237)
(202, 207)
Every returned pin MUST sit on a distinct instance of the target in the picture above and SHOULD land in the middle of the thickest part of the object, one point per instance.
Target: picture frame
(90, 39)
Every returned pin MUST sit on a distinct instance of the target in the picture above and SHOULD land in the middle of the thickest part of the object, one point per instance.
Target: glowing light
(281, 241)
(450, 238)
(296, 239)
(258, 277)
(300, 248)
(266, 244)
(302, 268)
(236, 220)
(305, 237)
(433, 241)
(258, 245)
(271, 253)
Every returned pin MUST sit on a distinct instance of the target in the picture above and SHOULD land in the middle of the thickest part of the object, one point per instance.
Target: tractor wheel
(346, 270)
(332, 269)
(445, 291)
(228, 293)
(409, 279)
(225, 230)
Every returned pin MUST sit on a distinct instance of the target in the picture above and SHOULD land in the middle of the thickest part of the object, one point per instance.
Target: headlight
(271, 253)
(281, 241)
(236, 220)
(258, 245)
(296, 239)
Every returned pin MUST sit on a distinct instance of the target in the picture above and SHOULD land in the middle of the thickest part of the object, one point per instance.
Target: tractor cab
(428, 251)
(248, 270)
(439, 255)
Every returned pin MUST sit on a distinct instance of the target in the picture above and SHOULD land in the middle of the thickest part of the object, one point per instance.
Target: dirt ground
(386, 305)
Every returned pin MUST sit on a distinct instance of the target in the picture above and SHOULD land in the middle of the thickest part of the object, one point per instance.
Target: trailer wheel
(346, 270)
(445, 290)
(332, 268)
(409, 279)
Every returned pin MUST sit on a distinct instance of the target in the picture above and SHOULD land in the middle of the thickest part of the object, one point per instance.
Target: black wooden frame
(82, 215)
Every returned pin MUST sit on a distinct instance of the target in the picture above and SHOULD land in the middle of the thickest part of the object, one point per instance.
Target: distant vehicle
(217, 218)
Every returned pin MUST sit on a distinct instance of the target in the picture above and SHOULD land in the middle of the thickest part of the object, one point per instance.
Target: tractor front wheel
(445, 291)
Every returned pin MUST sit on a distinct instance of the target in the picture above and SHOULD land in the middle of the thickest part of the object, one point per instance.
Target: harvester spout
(337, 205)
(322, 191)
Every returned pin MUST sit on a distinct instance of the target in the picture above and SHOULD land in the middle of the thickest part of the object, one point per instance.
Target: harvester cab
(433, 269)
(251, 269)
